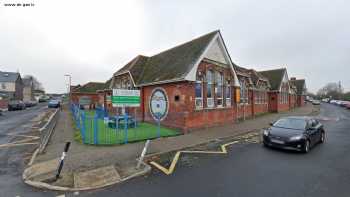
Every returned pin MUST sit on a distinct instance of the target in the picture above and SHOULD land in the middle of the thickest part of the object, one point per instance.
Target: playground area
(99, 128)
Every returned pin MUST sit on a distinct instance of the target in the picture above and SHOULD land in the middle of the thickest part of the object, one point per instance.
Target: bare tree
(331, 90)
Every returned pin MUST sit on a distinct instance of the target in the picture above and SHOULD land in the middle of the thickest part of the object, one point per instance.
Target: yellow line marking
(26, 136)
(21, 142)
(10, 145)
(177, 156)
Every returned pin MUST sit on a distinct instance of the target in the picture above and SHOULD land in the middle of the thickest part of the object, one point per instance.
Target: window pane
(198, 88)
(199, 103)
(219, 91)
(209, 91)
(209, 76)
(228, 92)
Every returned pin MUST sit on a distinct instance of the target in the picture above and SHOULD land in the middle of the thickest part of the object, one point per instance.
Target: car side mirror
(271, 123)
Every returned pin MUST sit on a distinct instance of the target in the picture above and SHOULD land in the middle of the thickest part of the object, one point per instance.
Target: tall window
(228, 93)
(3, 86)
(219, 89)
(244, 92)
(210, 96)
(199, 94)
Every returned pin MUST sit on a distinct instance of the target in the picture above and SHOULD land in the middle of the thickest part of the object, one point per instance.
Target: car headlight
(295, 138)
(266, 132)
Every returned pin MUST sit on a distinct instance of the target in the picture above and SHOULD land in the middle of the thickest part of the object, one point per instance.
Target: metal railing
(47, 130)
(100, 128)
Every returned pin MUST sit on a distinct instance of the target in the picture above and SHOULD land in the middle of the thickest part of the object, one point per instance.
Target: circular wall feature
(158, 104)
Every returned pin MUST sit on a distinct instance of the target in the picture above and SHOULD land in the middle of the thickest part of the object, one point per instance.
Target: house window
(228, 94)
(219, 89)
(210, 96)
(3, 86)
(199, 95)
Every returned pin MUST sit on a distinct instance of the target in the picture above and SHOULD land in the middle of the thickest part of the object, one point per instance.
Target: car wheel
(323, 137)
(306, 148)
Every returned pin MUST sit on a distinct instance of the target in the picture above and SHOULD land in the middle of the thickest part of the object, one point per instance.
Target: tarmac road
(11, 158)
(252, 170)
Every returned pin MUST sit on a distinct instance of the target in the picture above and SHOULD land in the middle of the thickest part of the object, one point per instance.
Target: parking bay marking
(177, 156)
(27, 141)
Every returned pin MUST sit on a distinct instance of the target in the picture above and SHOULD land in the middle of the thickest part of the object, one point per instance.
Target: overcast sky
(92, 39)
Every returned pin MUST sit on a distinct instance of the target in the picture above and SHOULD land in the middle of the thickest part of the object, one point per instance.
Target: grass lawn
(107, 135)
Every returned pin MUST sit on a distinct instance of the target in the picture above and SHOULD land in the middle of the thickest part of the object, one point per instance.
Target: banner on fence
(126, 98)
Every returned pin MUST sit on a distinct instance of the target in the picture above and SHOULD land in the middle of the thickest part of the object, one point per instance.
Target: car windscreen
(291, 123)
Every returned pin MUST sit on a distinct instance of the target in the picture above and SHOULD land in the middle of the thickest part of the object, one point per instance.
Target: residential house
(11, 85)
(28, 89)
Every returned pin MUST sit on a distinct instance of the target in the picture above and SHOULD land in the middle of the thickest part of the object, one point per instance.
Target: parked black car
(30, 103)
(297, 133)
(16, 105)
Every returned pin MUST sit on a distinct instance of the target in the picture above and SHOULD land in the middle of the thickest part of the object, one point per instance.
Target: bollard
(143, 154)
(64, 154)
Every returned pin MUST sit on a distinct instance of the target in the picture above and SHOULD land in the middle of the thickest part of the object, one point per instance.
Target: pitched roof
(90, 87)
(172, 64)
(256, 76)
(9, 76)
(299, 84)
(107, 84)
(275, 77)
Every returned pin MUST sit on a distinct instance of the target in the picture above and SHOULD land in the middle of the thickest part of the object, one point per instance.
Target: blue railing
(98, 127)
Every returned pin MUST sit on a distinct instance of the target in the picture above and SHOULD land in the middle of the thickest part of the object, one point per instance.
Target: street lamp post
(70, 85)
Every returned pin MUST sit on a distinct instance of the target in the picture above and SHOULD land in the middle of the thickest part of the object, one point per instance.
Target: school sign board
(126, 98)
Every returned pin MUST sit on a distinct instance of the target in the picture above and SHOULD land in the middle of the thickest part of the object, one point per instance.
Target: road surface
(12, 158)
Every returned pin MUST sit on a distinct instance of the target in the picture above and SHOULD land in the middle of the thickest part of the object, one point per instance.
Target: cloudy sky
(92, 39)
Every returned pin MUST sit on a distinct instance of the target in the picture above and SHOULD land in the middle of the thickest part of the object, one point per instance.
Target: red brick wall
(300, 100)
(93, 96)
(292, 101)
(260, 109)
(283, 107)
(182, 114)
(244, 111)
(177, 110)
